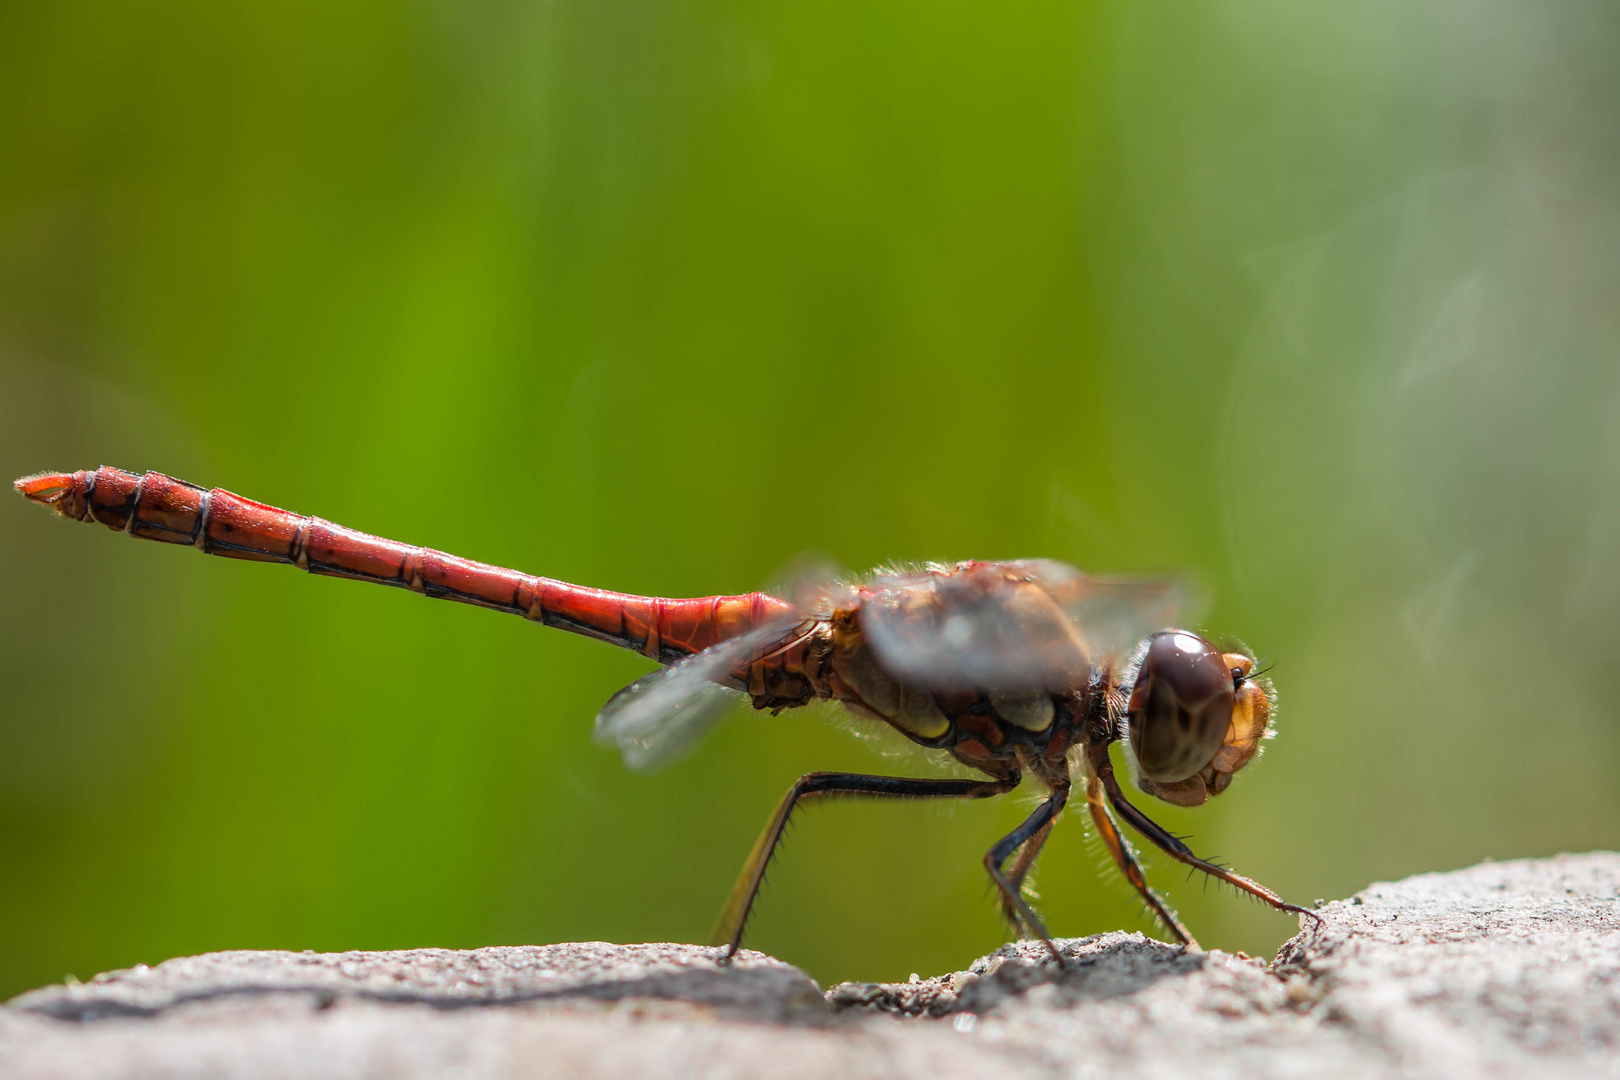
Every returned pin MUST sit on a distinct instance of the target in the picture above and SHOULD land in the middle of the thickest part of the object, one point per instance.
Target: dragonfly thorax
(988, 729)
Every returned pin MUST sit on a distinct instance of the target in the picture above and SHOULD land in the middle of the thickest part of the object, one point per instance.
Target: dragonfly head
(1197, 716)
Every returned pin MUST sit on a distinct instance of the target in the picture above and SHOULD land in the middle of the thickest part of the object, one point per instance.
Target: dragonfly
(1007, 668)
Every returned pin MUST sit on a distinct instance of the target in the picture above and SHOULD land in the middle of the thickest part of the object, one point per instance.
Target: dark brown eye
(1181, 706)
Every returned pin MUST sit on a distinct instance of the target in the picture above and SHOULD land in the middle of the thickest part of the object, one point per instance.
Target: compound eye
(1180, 706)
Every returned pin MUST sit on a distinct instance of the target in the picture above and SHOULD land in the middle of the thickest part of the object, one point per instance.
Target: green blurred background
(1316, 301)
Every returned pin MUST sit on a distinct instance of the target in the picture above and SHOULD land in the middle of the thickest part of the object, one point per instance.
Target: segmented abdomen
(159, 507)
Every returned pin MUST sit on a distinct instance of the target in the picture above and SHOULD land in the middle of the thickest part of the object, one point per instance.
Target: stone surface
(1505, 969)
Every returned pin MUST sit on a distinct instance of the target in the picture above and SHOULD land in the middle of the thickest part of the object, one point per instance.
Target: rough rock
(1505, 969)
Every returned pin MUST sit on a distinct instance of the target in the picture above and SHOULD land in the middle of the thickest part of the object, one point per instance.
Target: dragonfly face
(1197, 716)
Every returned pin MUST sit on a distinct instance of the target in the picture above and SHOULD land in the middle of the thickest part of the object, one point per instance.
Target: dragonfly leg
(1036, 825)
(1019, 870)
(734, 916)
(1120, 849)
(1160, 838)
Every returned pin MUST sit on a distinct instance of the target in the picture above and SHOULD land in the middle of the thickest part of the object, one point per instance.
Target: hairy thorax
(996, 732)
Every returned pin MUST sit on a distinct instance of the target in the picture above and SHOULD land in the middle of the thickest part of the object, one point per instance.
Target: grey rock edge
(1505, 969)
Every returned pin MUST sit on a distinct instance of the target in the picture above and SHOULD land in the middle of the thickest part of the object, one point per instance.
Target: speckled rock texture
(1503, 970)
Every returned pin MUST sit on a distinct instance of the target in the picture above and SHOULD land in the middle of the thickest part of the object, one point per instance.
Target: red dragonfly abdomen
(159, 507)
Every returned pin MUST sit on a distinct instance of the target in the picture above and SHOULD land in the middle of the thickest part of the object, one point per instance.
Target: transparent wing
(660, 717)
(811, 581)
(1016, 626)
(1114, 614)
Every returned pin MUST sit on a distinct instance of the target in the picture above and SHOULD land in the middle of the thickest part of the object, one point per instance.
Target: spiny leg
(1156, 834)
(1125, 858)
(728, 931)
(1012, 901)
(1019, 870)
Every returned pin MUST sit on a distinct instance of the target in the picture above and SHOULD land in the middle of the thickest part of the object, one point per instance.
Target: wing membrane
(811, 581)
(1114, 613)
(1017, 626)
(661, 716)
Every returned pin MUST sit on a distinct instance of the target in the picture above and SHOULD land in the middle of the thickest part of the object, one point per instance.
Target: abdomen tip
(44, 488)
